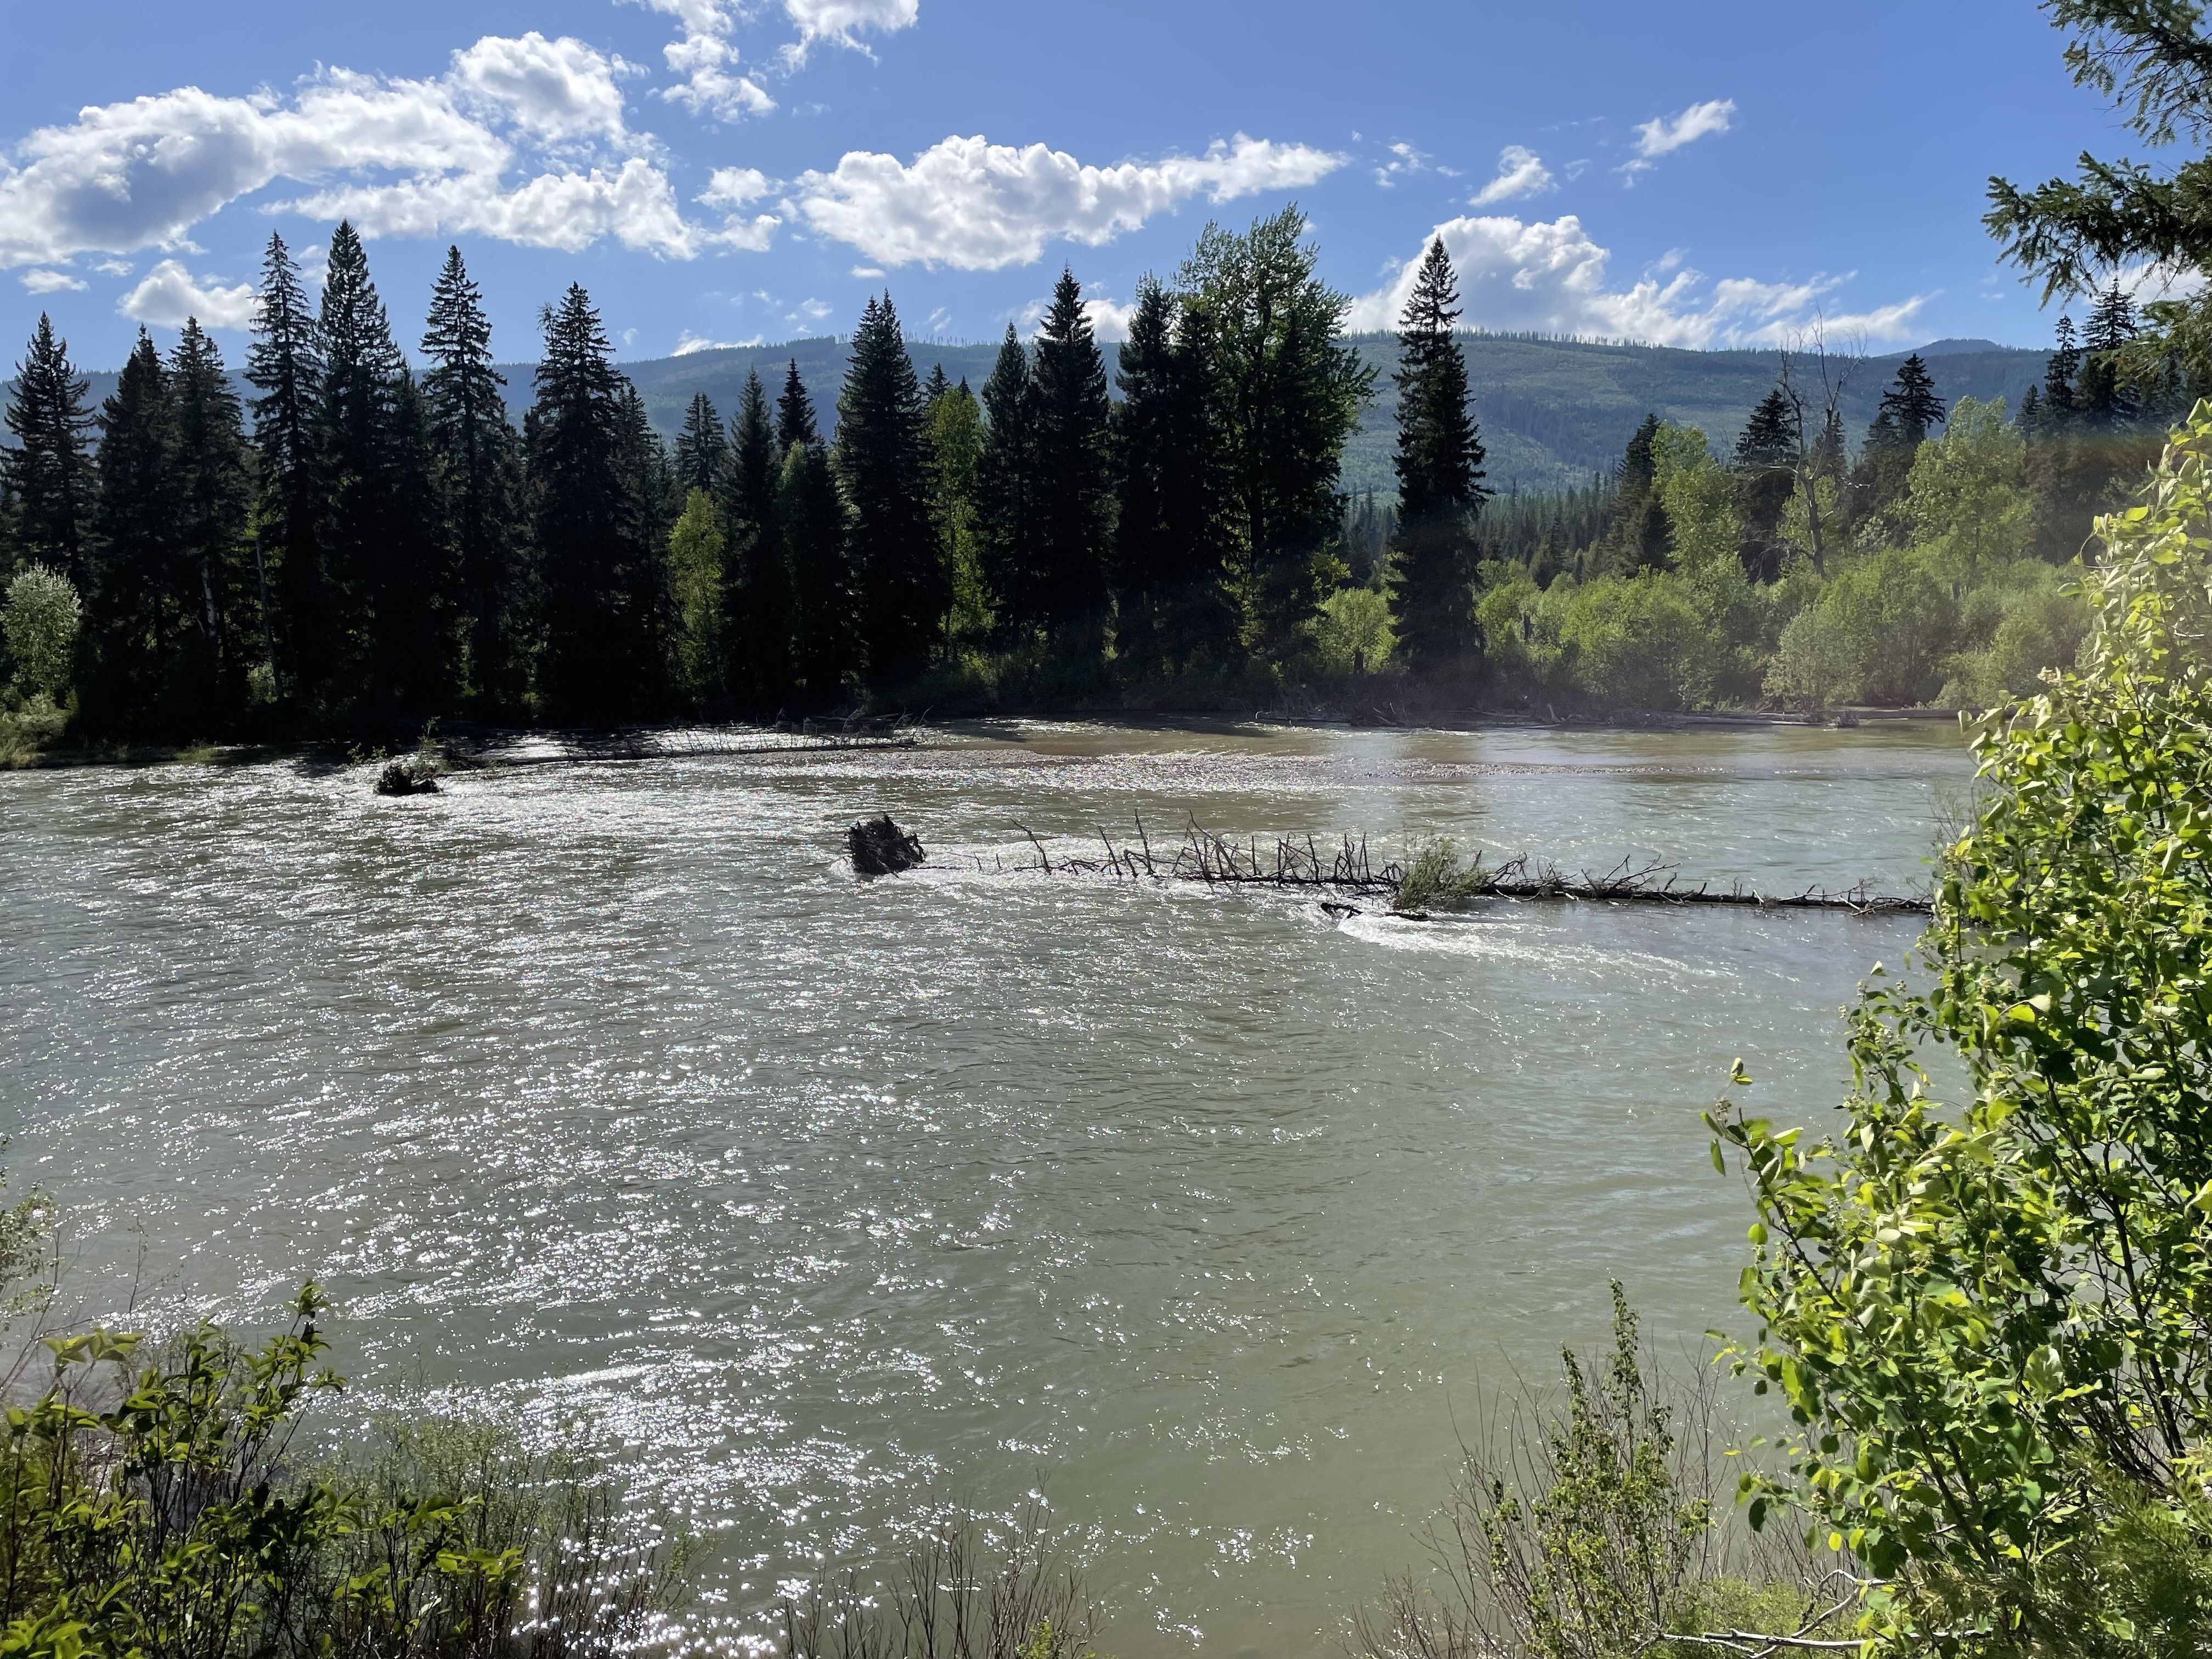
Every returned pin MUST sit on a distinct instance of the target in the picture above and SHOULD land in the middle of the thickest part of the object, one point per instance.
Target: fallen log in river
(1433, 876)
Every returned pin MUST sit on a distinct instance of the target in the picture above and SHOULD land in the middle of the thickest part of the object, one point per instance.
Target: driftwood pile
(1347, 869)
(880, 848)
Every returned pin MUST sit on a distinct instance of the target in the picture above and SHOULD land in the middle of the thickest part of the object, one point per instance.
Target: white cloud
(1549, 277)
(1109, 320)
(404, 157)
(867, 273)
(553, 90)
(979, 206)
(113, 267)
(1520, 173)
(53, 282)
(690, 343)
(840, 21)
(170, 294)
(1405, 159)
(1664, 134)
(633, 203)
(732, 189)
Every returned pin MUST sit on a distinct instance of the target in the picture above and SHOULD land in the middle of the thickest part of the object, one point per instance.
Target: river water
(607, 1094)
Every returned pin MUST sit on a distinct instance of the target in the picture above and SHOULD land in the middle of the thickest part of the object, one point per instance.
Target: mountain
(1552, 411)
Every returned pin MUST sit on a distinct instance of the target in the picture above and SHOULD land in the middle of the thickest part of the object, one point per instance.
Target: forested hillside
(1552, 411)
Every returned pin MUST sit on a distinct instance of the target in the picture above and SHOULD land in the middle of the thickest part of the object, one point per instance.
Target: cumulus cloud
(633, 203)
(979, 206)
(706, 57)
(403, 157)
(1110, 318)
(1404, 159)
(1549, 277)
(169, 294)
(53, 282)
(1520, 173)
(733, 189)
(552, 90)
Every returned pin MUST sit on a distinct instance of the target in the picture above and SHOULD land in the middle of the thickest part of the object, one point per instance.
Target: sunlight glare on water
(609, 1093)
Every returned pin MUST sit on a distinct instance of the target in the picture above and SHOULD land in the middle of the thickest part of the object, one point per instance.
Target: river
(607, 1093)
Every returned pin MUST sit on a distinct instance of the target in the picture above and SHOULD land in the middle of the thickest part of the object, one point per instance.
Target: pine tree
(794, 412)
(138, 603)
(651, 503)
(1074, 501)
(1653, 548)
(1910, 402)
(2105, 399)
(757, 600)
(478, 466)
(813, 520)
(1766, 474)
(593, 642)
(1168, 547)
(393, 651)
(700, 447)
(1007, 505)
(48, 476)
(213, 496)
(285, 366)
(882, 470)
(1439, 467)
(2060, 371)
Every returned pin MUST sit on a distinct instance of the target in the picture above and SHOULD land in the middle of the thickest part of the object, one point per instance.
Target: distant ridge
(1553, 411)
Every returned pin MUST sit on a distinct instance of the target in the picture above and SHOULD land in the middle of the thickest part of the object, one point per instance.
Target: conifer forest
(368, 539)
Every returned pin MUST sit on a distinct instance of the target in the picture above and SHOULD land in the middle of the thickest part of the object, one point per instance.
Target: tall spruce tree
(1069, 446)
(1910, 400)
(756, 599)
(595, 642)
(48, 475)
(700, 447)
(652, 503)
(1765, 463)
(884, 473)
(1006, 507)
(812, 515)
(478, 466)
(214, 497)
(2107, 400)
(1286, 393)
(138, 602)
(1174, 610)
(285, 368)
(391, 651)
(1439, 467)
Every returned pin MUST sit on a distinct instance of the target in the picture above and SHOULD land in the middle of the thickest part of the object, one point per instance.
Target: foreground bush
(153, 1506)
(1992, 1322)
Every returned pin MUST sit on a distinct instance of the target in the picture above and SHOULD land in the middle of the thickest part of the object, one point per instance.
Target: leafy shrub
(1992, 1324)
(1352, 633)
(1589, 1528)
(1812, 667)
(1638, 642)
(39, 621)
(151, 1508)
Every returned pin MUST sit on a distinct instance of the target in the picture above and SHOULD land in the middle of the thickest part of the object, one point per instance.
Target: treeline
(370, 541)
(1790, 571)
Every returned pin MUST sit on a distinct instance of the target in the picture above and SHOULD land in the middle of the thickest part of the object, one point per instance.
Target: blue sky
(723, 171)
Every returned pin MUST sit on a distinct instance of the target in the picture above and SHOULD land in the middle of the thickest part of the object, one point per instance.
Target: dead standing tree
(1813, 380)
